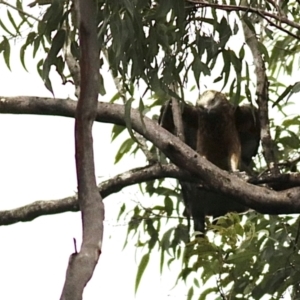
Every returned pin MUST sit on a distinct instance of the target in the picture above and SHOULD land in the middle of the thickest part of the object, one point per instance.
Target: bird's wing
(248, 126)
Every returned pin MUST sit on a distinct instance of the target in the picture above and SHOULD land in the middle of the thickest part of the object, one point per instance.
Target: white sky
(37, 163)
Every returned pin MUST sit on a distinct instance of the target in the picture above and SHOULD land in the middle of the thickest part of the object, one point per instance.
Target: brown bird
(217, 138)
(226, 136)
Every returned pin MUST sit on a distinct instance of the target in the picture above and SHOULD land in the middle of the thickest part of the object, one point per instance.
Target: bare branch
(177, 116)
(73, 66)
(261, 12)
(258, 198)
(19, 10)
(42, 208)
(280, 28)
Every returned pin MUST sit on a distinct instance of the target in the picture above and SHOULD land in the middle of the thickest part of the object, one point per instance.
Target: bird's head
(212, 101)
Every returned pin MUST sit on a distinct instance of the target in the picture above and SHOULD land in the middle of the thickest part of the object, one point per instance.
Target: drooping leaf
(141, 269)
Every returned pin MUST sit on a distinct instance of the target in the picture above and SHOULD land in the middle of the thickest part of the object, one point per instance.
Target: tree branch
(82, 264)
(257, 11)
(177, 116)
(73, 66)
(258, 198)
(262, 93)
(42, 208)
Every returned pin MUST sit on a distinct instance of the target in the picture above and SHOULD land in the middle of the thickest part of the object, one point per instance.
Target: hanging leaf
(141, 269)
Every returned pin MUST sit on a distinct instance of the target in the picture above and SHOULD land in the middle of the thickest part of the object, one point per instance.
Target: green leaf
(5, 28)
(226, 68)
(115, 97)
(206, 292)
(141, 269)
(290, 141)
(36, 44)
(56, 46)
(51, 19)
(125, 148)
(242, 53)
(190, 293)
(165, 246)
(5, 48)
(196, 68)
(116, 131)
(269, 33)
(264, 51)
(296, 87)
(283, 95)
(12, 21)
(224, 31)
(102, 90)
(121, 211)
(168, 205)
(289, 122)
(30, 38)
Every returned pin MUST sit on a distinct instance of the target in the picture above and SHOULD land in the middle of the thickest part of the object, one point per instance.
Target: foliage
(150, 46)
(248, 258)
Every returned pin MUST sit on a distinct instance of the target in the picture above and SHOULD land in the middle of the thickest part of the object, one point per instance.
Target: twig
(246, 9)
(297, 37)
(19, 10)
(177, 116)
(73, 66)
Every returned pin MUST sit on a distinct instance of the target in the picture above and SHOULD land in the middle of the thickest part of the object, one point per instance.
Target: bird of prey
(227, 136)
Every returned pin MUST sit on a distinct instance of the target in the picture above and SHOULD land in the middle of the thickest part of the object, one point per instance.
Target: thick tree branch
(258, 198)
(82, 264)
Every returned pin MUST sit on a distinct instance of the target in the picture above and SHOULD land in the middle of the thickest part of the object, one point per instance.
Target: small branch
(280, 27)
(289, 163)
(73, 66)
(258, 11)
(114, 185)
(177, 117)
(279, 181)
(20, 11)
(262, 93)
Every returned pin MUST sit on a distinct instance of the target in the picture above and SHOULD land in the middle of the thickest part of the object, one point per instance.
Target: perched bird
(225, 135)
(217, 138)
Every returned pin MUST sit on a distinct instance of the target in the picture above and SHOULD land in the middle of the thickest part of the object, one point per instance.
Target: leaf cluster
(248, 258)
